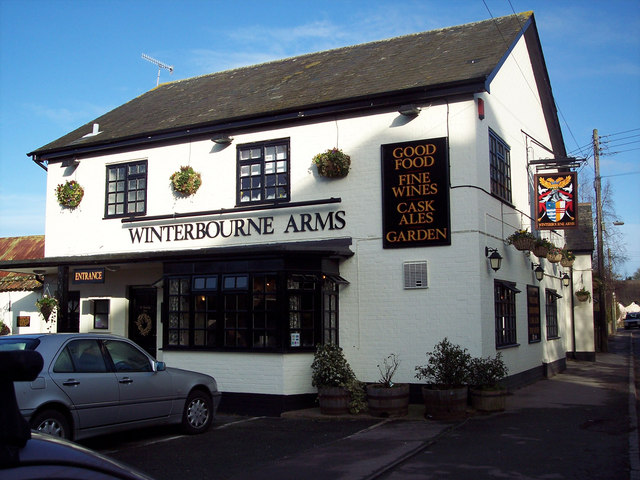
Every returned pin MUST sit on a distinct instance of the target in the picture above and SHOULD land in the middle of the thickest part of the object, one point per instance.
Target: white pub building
(242, 277)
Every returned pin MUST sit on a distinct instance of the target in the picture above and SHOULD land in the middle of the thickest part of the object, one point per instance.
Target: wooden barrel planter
(333, 400)
(444, 404)
(388, 401)
(488, 400)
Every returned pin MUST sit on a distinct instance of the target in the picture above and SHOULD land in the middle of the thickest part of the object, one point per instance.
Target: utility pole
(602, 310)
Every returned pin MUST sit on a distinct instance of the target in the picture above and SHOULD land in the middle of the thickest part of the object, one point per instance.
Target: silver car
(92, 384)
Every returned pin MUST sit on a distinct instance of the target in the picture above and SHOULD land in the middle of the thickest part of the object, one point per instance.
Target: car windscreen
(16, 343)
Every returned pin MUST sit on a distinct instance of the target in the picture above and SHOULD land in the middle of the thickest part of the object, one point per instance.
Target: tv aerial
(160, 65)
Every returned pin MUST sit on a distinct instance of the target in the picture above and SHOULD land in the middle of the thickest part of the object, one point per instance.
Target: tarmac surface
(579, 424)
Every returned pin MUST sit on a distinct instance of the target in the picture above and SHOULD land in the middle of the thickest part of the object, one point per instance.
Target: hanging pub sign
(556, 196)
(415, 194)
(88, 275)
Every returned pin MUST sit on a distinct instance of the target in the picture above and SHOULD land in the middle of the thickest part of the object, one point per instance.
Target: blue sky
(64, 63)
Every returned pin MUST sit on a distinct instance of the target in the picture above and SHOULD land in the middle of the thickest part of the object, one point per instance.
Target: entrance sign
(555, 198)
(88, 275)
(415, 194)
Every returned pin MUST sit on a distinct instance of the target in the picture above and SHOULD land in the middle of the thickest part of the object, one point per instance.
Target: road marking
(244, 420)
(634, 449)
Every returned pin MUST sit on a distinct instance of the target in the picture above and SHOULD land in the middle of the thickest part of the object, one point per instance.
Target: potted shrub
(335, 381)
(583, 295)
(487, 393)
(522, 239)
(542, 247)
(554, 255)
(567, 258)
(447, 374)
(385, 398)
(69, 194)
(333, 163)
(186, 180)
(4, 328)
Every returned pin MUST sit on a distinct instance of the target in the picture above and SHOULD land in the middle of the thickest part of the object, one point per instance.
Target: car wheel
(198, 413)
(51, 422)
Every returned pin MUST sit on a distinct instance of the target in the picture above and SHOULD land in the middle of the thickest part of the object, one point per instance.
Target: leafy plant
(584, 293)
(4, 328)
(486, 373)
(521, 234)
(447, 365)
(567, 254)
(186, 180)
(388, 369)
(69, 194)
(357, 395)
(333, 163)
(46, 305)
(330, 367)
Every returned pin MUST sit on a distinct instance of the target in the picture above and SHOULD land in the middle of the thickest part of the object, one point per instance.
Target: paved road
(581, 424)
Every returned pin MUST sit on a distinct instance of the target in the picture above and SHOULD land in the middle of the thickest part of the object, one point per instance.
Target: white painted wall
(377, 316)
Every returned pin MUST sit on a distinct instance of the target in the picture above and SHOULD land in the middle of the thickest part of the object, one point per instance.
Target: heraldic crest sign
(556, 199)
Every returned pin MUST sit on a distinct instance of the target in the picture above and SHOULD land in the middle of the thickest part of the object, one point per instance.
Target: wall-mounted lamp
(495, 259)
(222, 139)
(538, 271)
(409, 110)
(566, 280)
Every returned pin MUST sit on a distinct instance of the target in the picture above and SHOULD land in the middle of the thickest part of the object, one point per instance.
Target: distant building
(268, 258)
(19, 291)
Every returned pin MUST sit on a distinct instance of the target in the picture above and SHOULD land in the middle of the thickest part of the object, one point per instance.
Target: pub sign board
(415, 194)
(555, 200)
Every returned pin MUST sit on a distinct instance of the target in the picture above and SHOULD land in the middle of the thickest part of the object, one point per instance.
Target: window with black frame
(552, 313)
(256, 311)
(500, 167)
(533, 313)
(263, 172)
(505, 313)
(126, 191)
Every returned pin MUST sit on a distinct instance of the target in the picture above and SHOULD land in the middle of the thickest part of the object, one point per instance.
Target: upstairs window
(500, 167)
(263, 173)
(126, 192)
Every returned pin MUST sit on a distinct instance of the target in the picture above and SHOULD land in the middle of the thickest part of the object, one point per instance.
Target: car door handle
(71, 383)
(125, 380)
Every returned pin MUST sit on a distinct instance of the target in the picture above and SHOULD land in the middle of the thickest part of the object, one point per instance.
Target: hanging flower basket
(583, 295)
(567, 258)
(69, 194)
(46, 305)
(522, 240)
(333, 163)
(542, 247)
(186, 181)
(554, 255)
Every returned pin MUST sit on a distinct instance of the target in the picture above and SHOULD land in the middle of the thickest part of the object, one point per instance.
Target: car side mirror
(161, 366)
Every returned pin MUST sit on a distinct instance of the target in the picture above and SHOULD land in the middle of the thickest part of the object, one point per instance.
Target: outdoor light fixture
(409, 110)
(539, 272)
(566, 280)
(222, 139)
(495, 259)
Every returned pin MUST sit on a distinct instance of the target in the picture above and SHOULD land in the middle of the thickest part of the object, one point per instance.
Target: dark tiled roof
(418, 64)
(20, 248)
(581, 239)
